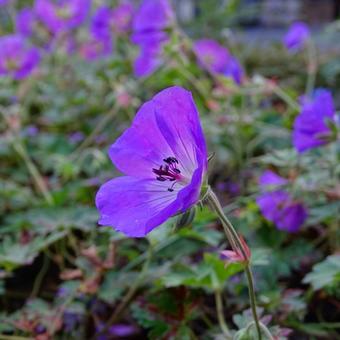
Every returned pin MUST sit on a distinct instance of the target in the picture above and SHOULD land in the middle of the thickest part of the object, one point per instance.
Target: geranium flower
(149, 24)
(163, 155)
(107, 20)
(296, 36)
(310, 126)
(278, 206)
(17, 58)
(63, 14)
(215, 58)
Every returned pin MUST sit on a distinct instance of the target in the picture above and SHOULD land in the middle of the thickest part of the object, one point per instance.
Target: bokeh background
(71, 83)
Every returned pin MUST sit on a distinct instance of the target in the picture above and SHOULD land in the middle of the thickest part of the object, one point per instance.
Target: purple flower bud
(296, 36)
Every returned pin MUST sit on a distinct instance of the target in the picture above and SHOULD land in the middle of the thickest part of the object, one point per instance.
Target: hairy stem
(236, 244)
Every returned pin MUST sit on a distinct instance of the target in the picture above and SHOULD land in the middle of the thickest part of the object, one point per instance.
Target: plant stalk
(236, 243)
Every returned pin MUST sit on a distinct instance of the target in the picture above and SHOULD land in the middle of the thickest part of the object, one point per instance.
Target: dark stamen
(168, 172)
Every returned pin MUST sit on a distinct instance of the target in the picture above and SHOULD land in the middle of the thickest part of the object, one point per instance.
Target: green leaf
(325, 273)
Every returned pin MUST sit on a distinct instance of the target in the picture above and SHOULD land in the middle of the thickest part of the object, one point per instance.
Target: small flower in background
(236, 255)
(76, 137)
(164, 157)
(296, 37)
(115, 331)
(149, 24)
(215, 58)
(107, 21)
(211, 55)
(31, 131)
(25, 21)
(234, 70)
(150, 57)
(4, 2)
(17, 58)
(95, 48)
(310, 127)
(62, 15)
(278, 206)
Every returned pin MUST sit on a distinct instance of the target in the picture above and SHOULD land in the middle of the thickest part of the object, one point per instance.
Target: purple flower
(150, 57)
(107, 21)
(215, 58)
(211, 55)
(296, 36)
(63, 14)
(270, 178)
(4, 2)
(310, 126)
(17, 58)
(25, 21)
(153, 15)
(149, 23)
(164, 157)
(234, 70)
(278, 206)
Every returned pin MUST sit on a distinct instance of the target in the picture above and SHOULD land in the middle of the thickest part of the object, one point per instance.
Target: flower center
(168, 172)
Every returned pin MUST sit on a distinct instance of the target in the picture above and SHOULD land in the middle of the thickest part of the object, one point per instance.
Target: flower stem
(311, 67)
(220, 317)
(236, 243)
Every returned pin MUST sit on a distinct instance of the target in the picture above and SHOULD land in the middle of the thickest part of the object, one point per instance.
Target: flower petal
(134, 206)
(178, 120)
(166, 126)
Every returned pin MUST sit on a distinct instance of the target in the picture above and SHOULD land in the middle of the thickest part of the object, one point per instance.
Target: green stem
(219, 311)
(37, 177)
(311, 67)
(40, 276)
(236, 244)
(286, 98)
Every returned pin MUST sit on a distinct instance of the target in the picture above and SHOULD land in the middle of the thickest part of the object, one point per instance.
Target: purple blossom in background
(270, 178)
(25, 21)
(31, 131)
(96, 48)
(164, 157)
(234, 70)
(149, 23)
(211, 55)
(153, 15)
(116, 331)
(4, 2)
(17, 58)
(278, 206)
(310, 126)
(150, 57)
(296, 36)
(63, 14)
(215, 58)
(76, 137)
(107, 21)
